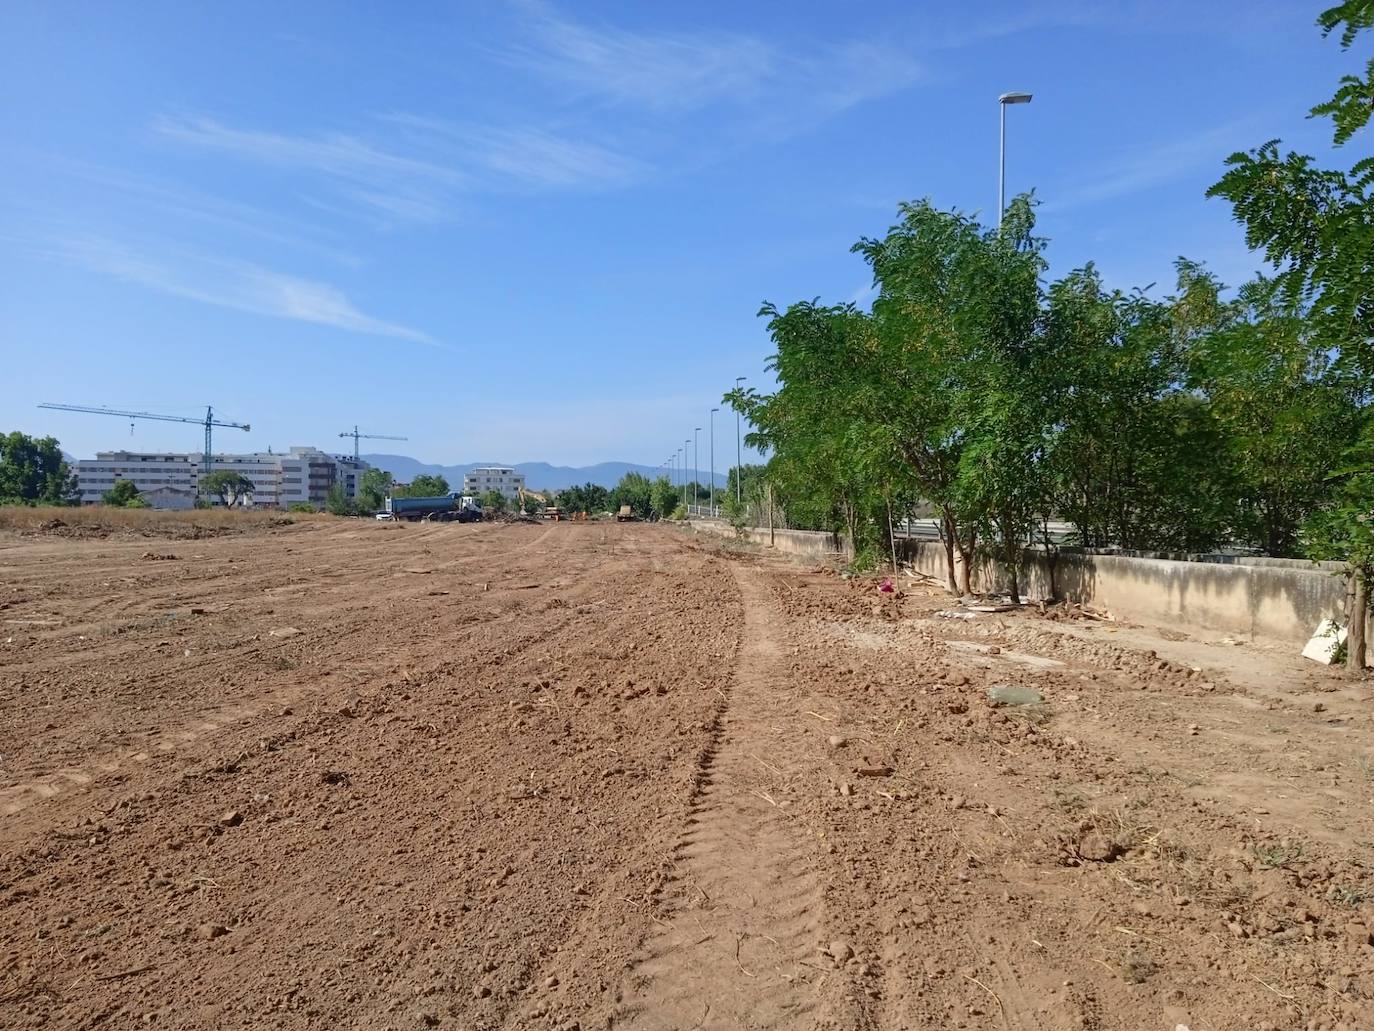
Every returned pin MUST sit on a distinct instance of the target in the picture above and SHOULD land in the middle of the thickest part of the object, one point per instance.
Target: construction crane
(208, 422)
(365, 436)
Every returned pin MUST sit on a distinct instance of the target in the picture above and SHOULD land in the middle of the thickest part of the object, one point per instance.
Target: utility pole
(696, 465)
(739, 470)
(713, 460)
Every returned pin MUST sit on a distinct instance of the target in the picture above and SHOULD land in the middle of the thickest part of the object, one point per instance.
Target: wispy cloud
(391, 184)
(688, 70)
(499, 155)
(1146, 168)
(660, 70)
(241, 286)
(140, 195)
(423, 167)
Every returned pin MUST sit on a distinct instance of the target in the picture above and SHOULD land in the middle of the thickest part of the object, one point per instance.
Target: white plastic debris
(956, 614)
(1325, 642)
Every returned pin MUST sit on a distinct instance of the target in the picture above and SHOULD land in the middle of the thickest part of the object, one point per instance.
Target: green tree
(590, 498)
(121, 495)
(33, 472)
(373, 487)
(493, 501)
(231, 487)
(1283, 414)
(635, 490)
(424, 486)
(337, 502)
(1343, 530)
(664, 497)
(1316, 227)
(1136, 459)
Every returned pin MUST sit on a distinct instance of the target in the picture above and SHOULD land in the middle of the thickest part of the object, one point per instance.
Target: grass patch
(1277, 856)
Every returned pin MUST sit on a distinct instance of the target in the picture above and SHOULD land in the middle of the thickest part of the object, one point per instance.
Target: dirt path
(740, 948)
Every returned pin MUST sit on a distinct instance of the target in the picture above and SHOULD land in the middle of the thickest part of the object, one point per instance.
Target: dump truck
(461, 508)
(625, 514)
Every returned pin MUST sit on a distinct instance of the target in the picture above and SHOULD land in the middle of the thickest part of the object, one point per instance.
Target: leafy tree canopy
(123, 494)
(373, 486)
(424, 486)
(230, 486)
(33, 472)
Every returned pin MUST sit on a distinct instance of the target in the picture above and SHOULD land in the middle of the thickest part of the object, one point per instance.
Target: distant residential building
(301, 475)
(494, 477)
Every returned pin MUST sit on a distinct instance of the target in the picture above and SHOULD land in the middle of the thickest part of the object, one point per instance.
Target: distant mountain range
(538, 475)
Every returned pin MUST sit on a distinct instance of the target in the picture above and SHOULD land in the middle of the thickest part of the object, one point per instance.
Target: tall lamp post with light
(713, 460)
(739, 471)
(1013, 97)
(696, 465)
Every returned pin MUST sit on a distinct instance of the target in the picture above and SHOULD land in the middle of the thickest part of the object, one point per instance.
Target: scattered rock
(207, 931)
(551, 982)
(1004, 694)
(283, 631)
(232, 818)
(873, 771)
(481, 991)
(840, 951)
(1096, 847)
(846, 788)
(835, 741)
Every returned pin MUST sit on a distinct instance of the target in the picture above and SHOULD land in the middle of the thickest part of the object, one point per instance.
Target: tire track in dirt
(203, 727)
(740, 949)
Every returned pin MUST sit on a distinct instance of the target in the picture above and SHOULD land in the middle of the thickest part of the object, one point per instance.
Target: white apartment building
(301, 475)
(494, 477)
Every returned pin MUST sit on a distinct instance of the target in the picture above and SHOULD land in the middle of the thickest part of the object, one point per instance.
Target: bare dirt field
(339, 774)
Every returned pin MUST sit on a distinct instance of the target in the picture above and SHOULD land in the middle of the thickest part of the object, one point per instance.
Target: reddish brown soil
(349, 775)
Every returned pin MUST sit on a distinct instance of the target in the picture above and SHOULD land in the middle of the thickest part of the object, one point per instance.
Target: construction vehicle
(532, 495)
(554, 513)
(625, 514)
(461, 508)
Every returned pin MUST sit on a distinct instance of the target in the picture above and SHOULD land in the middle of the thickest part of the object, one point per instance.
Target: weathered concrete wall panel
(1275, 599)
(804, 543)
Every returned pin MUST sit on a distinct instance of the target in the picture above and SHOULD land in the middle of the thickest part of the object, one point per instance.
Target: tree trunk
(771, 541)
(947, 539)
(966, 553)
(891, 537)
(1358, 608)
(1012, 545)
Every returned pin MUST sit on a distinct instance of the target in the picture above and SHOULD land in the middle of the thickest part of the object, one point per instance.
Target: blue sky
(534, 231)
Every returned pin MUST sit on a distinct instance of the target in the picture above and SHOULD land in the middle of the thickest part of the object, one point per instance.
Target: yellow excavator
(549, 511)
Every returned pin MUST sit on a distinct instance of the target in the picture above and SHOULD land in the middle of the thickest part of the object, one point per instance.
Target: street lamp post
(739, 471)
(713, 460)
(686, 449)
(1014, 97)
(696, 465)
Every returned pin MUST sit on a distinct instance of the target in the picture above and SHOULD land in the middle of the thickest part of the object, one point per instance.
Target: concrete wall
(1276, 599)
(804, 543)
